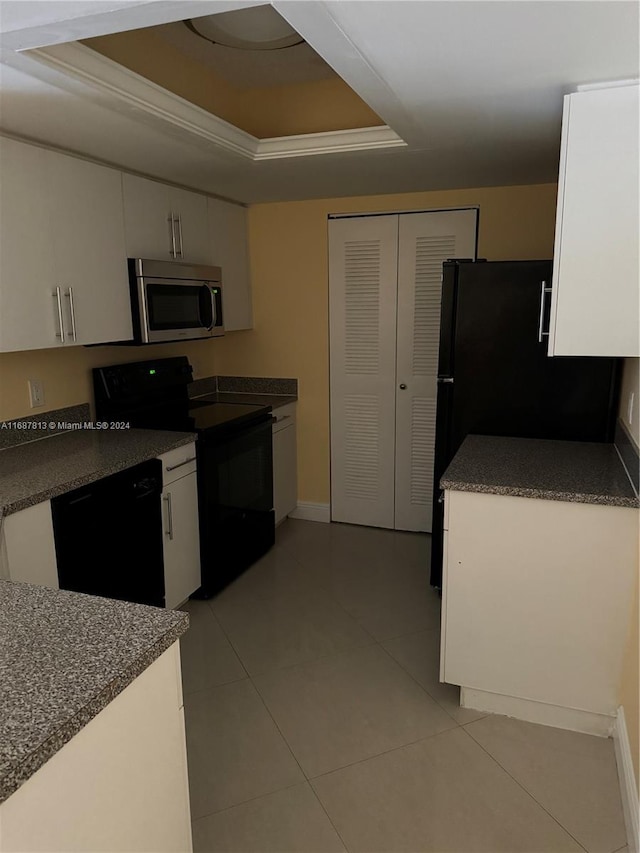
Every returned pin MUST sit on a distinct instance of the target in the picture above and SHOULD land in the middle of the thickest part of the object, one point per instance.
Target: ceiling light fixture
(256, 28)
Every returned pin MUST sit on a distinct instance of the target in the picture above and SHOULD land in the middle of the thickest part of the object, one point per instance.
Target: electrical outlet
(36, 393)
(630, 409)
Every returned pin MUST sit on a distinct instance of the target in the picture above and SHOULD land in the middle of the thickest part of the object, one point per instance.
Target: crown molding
(126, 87)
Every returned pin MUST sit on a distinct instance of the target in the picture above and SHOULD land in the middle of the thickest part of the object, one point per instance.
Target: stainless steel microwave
(174, 301)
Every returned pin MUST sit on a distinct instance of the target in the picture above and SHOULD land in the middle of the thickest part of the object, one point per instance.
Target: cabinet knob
(403, 387)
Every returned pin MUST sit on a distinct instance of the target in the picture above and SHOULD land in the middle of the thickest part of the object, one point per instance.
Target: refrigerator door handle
(543, 292)
(445, 380)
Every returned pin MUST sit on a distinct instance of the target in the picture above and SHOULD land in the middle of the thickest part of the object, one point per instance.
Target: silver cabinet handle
(69, 295)
(445, 380)
(172, 231)
(59, 334)
(543, 292)
(180, 250)
(180, 464)
(167, 500)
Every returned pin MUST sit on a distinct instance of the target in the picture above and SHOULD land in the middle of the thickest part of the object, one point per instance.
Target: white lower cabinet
(536, 606)
(181, 541)
(119, 785)
(27, 547)
(285, 479)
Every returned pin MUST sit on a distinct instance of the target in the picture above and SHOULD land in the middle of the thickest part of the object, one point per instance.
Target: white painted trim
(328, 142)
(611, 84)
(312, 512)
(627, 779)
(557, 716)
(91, 68)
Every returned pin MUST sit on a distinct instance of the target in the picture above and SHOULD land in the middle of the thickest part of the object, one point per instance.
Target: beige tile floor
(316, 721)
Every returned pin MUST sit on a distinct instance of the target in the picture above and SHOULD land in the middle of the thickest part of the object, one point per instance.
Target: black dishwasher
(108, 536)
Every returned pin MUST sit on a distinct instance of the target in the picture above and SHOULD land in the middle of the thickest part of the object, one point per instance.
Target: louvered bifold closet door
(425, 240)
(363, 256)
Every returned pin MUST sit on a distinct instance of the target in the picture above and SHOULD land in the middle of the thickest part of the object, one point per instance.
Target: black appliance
(108, 536)
(494, 375)
(234, 457)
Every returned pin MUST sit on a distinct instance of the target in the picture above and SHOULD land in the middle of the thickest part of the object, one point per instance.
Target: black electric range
(234, 458)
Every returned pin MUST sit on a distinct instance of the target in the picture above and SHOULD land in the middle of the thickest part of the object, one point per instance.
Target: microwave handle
(207, 323)
(214, 310)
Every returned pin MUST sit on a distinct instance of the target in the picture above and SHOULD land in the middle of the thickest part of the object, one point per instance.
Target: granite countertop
(273, 400)
(63, 657)
(580, 472)
(39, 470)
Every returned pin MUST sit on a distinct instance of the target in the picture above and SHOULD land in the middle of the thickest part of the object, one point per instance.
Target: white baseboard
(312, 512)
(627, 778)
(559, 717)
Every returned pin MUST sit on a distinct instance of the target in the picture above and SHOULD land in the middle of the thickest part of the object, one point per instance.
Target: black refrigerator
(494, 375)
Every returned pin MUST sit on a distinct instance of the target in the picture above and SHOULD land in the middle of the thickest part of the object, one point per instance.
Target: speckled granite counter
(40, 470)
(63, 657)
(580, 472)
(273, 400)
(253, 390)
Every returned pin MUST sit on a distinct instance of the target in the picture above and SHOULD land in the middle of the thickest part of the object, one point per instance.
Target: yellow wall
(66, 372)
(262, 111)
(288, 244)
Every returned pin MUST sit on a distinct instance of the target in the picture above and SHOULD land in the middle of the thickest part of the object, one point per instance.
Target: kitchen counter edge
(175, 625)
(159, 442)
(476, 467)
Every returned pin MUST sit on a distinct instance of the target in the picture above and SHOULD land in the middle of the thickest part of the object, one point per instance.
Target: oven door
(235, 491)
(177, 309)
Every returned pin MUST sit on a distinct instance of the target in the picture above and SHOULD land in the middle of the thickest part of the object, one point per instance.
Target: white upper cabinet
(229, 251)
(63, 276)
(89, 250)
(595, 293)
(28, 308)
(165, 223)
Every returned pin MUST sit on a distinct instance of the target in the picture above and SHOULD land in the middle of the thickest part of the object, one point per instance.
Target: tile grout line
(422, 687)
(517, 781)
(307, 781)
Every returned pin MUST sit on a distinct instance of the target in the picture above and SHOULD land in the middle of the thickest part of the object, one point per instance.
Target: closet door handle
(59, 334)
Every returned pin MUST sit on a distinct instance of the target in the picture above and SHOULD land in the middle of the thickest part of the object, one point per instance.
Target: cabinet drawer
(284, 416)
(178, 463)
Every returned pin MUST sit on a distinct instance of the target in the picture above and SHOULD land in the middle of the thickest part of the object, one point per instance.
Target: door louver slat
(423, 426)
(361, 473)
(362, 311)
(430, 253)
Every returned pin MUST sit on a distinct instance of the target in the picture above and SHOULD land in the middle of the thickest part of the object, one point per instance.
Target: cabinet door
(192, 231)
(285, 485)
(595, 298)
(89, 248)
(29, 316)
(181, 540)
(229, 250)
(147, 209)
